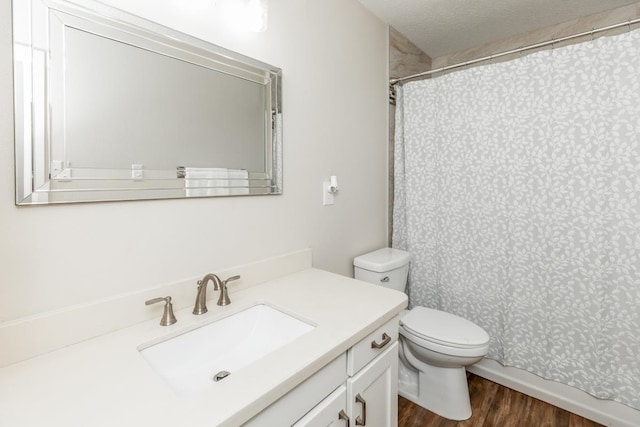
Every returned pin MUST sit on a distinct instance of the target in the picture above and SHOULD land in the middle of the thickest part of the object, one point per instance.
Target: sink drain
(221, 375)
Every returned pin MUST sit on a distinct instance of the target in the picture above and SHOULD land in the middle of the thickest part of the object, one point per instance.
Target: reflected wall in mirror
(109, 106)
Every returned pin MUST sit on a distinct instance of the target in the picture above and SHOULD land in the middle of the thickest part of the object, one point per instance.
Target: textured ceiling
(443, 27)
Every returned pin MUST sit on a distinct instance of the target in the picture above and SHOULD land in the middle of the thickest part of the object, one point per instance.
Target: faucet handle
(223, 299)
(168, 318)
(230, 279)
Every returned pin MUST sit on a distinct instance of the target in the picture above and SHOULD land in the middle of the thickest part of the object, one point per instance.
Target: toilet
(435, 346)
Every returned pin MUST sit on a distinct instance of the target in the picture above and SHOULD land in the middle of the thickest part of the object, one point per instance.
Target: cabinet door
(331, 412)
(373, 392)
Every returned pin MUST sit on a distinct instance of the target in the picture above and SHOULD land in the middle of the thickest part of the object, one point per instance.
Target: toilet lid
(444, 328)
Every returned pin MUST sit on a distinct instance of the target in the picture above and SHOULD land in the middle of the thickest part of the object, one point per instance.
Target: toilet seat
(444, 332)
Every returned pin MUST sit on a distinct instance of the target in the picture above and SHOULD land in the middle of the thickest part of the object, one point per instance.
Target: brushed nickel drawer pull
(386, 339)
(343, 416)
(362, 421)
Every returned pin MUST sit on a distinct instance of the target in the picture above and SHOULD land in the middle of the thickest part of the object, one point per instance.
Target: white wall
(334, 58)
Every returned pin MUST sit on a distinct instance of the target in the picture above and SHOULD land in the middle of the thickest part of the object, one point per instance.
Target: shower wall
(576, 26)
(405, 59)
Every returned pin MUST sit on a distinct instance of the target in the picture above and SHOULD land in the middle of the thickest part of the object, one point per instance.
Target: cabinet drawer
(293, 405)
(374, 344)
(327, 412)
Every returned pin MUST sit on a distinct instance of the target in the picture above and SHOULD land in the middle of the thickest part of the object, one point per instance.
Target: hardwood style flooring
(494, 405)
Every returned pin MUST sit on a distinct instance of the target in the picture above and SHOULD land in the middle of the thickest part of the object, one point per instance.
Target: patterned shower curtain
(518, 196)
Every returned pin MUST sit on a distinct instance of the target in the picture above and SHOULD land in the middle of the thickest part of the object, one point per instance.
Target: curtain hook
(629, 25)
(592, 31)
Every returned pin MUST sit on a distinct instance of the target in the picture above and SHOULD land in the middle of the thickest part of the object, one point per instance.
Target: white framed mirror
(109, 106)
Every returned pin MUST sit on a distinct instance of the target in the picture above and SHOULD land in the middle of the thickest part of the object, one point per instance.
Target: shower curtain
(518, 195)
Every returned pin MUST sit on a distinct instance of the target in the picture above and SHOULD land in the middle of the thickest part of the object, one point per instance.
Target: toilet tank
(386, 267)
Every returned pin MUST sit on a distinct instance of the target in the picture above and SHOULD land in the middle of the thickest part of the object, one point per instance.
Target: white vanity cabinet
(370, 394)
(373, 392)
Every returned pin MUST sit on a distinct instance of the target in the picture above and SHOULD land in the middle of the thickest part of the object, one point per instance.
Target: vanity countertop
(105, 381)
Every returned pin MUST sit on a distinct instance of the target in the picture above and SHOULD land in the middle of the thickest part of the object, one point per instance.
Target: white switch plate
(327, 198)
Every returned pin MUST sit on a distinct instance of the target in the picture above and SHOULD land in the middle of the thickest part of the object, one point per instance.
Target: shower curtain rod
(512, 51)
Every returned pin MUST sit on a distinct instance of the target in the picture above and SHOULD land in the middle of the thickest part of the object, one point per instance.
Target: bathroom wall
(405, 59)
(613, 16)
(334, 56)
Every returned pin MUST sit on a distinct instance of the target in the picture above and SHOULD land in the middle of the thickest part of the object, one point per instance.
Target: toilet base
(443, 391)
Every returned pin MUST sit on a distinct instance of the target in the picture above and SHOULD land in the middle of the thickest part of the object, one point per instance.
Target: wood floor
(494, 406)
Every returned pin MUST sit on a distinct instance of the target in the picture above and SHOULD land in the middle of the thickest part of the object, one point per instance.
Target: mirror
(109, 106)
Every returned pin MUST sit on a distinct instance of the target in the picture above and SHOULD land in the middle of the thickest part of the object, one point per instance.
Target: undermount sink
(197, 359)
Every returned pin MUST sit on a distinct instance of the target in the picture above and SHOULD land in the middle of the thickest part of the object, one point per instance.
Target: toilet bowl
(435, 346)
(438, 346)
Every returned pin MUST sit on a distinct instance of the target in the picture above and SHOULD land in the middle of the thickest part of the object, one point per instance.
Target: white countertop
(105, 381)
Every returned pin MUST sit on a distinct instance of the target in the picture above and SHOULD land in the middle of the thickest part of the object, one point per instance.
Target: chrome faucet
(200, 307)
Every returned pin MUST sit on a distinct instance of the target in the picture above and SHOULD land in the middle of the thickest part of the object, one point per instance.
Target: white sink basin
(189, 362)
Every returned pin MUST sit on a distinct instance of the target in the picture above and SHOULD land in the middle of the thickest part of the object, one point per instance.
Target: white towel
(200, 182)
(238, 181)
(206, 173)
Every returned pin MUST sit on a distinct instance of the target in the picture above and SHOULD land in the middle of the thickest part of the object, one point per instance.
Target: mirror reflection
(132, 110)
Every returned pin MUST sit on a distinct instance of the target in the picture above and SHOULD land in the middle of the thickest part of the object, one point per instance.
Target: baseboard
(34, 335)
(605, 412)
